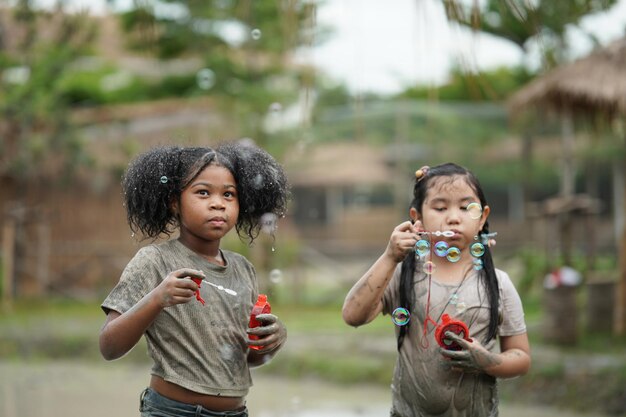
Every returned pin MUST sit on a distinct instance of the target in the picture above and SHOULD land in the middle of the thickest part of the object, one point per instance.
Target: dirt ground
(76, 389)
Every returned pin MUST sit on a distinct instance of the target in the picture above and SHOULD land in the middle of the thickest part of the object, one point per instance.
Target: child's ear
(413, 214)
(486, 211)
(174, 207)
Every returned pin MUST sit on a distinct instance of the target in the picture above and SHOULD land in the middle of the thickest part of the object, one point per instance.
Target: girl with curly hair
(200, 347)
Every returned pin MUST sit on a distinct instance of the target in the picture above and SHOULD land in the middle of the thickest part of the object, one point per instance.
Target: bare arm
(121, 332)
(514, 359)
(364, 301)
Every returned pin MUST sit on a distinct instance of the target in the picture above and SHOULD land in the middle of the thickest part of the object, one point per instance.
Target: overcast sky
(384, 45)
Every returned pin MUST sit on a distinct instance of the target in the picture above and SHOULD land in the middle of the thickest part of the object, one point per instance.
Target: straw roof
(595, 83)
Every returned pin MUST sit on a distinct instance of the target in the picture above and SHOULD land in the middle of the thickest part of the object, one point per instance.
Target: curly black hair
(156, 178)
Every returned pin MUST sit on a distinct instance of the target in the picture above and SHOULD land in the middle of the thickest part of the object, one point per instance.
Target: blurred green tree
(247, 48)
(521, 22)
(36, 46)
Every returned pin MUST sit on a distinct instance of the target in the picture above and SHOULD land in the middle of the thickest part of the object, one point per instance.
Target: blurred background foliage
(55, 67)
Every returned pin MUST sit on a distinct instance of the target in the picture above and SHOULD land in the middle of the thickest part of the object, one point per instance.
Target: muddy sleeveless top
(423, 385)
(199, 347)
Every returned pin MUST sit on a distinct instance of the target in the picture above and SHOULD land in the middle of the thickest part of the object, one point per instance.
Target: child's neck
(450, 272)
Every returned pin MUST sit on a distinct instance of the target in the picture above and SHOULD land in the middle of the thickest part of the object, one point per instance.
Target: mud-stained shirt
(423, 385)
(199, 347)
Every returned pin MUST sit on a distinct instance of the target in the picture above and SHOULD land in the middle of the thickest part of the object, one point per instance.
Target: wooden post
(620, 307)
(43, 255)
(8, 250)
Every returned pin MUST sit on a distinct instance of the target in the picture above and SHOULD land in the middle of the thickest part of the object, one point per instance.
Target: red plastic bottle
(261, 307)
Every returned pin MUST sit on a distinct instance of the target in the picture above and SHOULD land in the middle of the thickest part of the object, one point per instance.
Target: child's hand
(402, 240)
(473, 358)
(177, 287)
(272, 333)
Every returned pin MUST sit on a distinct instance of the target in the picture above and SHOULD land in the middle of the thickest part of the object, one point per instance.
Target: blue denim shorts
(152, 404)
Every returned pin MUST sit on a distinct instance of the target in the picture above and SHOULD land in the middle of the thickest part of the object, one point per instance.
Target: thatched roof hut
(593, 85)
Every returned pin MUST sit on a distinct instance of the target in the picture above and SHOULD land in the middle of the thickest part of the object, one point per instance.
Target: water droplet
(256, 34)
(400, 316)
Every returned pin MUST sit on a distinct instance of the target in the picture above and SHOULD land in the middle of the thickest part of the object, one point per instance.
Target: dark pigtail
(488, 274)
(407, 295)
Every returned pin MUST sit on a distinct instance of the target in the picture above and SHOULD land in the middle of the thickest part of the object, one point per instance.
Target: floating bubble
(475, 210)
(429, 267)
(275, 107)
(454, 298)
(441, 248)
(454, 254)
(269, 223)
(164, 179)
(477, 249)
(400, 316)
(205, 78)
(422, 247)
(460, 307)
(258, 181)
(478, 264)
(276, 276)
(256, 34)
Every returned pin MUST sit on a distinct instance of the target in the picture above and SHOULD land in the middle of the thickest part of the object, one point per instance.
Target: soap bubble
(441, 248)
(478, 264)
(269, 223)
(477, 249)
(422, 247)
(256, 34)
(429, 267)
(276, 276)
(475, 210)
(400, 316)
(454, 254)
(275, 107)
(205, 78)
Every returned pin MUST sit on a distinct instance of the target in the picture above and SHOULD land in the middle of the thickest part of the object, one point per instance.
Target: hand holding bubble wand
(199, 282)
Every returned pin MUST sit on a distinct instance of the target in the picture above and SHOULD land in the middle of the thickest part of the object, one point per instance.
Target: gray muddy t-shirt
(423, 385)
(199, 347)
